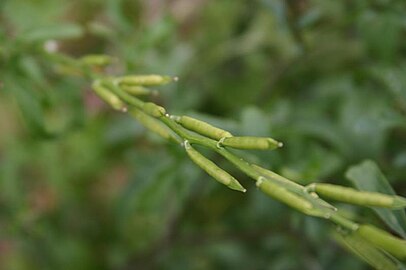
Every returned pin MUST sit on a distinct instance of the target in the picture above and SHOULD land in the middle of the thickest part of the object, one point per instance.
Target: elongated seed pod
(153, 124)
(153, 109)
(353, 196)
(212, 169)
(370, 254)
(108, 96)
(136, 90)
(344, 222)
(202, 127)
(96, 60)
(146, 80)
(384, 240)
(282, 194)
(288, 184)
(253, 143)
(293, 187)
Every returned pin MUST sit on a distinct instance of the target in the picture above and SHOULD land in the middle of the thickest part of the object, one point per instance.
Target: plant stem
(321, 208)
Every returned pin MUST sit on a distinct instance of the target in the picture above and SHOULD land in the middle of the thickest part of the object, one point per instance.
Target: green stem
(320, 208)
(185, 135)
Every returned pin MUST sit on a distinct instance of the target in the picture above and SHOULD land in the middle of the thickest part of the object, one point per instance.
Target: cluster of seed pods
(122, 94)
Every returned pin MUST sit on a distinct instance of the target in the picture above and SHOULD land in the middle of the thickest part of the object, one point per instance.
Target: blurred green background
(85, 187)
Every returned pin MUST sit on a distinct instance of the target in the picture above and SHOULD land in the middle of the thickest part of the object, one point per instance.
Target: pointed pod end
(153, 109)
(169, 79)
(236, 186)
(273, 144)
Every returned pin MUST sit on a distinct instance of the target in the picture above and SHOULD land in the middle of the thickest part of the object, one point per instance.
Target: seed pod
(108, 96)
(384, 240)
(153, 124)
(137, 90)
(363, 249)
(153, 109)
(293, 187)
(96, 60)
(253, 143)
(353, 196)
(212, 169)
(288, 184)
(202, 127)
(343, 222)
(282, 194)
(146, 80)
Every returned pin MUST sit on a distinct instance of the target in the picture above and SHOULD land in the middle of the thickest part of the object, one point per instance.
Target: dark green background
(85, 187)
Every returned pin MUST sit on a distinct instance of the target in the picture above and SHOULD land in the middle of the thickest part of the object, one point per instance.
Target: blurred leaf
(59, 31)
(31, 110)
(370, 254)
(382, 36)
(367, 177)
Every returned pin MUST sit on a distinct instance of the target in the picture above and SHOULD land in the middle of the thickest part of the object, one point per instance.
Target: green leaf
(368, 177)
(363, 249)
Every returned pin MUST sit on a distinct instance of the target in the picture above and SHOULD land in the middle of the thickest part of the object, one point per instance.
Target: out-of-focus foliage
(84, 187)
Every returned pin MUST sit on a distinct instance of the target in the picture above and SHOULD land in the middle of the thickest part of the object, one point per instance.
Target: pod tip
(237, 186)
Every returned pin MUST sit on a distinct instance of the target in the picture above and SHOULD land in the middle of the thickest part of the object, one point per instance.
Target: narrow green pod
(282, 194)
(153, 109)
(344, 222)
(202, 128)
(146, 80)
(384, 240)
(293, 187)
(136, 90)
(108, 96)
(251, 143)
(96, 60)
(153, 124)
(288, 184)
(367, 252)
(212, 169)
(353, 196)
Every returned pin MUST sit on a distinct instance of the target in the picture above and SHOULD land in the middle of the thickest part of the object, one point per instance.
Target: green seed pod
(153, 109)
(282, 194)
(253, 143)
(137, 90)
(343, 222)
(353, 196)
(202, 127)
(212, 169)
(146, 80)
(384, 240)
(108, 96)
(288, 184)
(96, 60)
(153, 124)
(363, 249)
